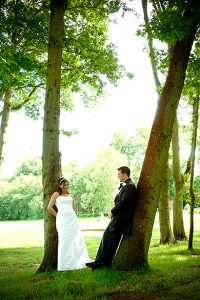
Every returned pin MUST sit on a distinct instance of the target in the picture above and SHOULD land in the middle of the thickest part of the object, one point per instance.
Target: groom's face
(121, 176)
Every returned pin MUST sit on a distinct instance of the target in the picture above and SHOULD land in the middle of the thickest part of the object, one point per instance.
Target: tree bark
(4, 123)
(133, 251)
(166, 234)
(51, 165)
(178, 225)
(7, 107)
(193, 149)
(151, 48)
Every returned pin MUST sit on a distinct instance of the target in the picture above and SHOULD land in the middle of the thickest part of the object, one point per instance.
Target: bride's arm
(52, 203)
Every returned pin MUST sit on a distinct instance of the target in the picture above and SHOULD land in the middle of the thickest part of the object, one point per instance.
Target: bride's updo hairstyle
(61, 182)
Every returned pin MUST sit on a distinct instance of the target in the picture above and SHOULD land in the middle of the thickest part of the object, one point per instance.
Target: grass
(174, 271)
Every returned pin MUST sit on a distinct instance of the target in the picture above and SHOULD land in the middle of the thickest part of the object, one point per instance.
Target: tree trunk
(166, 234)
(51, 165)
(151, 48)
(193, 149)
(133, 252)
(4, 123)
(178, 225)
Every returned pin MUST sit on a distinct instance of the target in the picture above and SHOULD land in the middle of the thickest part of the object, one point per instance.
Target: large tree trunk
(51, 166)
(166, 234)
(133, 252)
(4, 123)
(193, 149)
(178, 225)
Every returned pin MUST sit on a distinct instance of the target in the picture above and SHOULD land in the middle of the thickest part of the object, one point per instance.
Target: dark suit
(120, 224)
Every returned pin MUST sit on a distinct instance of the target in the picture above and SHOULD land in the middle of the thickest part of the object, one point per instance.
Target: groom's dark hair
(125, 169)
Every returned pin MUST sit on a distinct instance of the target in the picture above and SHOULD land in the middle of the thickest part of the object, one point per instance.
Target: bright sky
(130, 105)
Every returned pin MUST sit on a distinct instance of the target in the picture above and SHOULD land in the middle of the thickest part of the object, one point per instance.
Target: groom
(121, 216)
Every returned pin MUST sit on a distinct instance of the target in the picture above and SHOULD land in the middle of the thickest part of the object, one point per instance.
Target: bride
(72, 252)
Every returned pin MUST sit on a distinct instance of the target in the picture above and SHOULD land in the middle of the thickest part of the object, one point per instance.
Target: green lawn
(174, 271)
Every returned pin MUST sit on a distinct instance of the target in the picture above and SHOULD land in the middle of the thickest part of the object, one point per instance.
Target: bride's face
(65, 187)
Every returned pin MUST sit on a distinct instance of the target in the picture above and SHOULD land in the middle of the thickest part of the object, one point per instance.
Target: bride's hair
(61, 180)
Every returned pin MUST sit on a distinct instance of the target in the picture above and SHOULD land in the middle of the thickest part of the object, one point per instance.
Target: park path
(94, 227)
(29, 233)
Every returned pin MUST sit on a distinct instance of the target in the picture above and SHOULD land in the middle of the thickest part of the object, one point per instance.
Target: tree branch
(18, 106)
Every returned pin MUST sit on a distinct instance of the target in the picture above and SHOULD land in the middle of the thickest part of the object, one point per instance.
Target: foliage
(192, 82)
(76, 176)
(186, 194)
(89, 61)
(197, 189)
(167, 24)
(123, 144)
(22, 36)
(169, 21)
(102, 181)
(171, 183)
(133, 147)
(94, 186)
(21, 198)
(31, 165)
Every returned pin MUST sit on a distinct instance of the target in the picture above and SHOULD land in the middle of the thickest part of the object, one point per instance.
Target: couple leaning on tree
(72, 252)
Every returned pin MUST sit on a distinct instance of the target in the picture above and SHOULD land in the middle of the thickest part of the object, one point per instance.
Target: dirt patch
(131, 295)
(195, 267)
(42, 280)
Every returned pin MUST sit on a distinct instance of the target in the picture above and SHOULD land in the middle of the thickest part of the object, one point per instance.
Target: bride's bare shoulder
(55, 195)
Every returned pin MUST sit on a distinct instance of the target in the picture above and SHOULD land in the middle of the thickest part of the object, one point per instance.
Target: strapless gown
(72, 252)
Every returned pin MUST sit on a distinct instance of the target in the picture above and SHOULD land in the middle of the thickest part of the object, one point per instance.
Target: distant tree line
(93, 186)
(21, 194)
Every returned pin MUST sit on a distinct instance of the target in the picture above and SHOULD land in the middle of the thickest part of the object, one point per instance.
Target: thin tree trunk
(4, 123)
(7, 105)
(5, 113)
(151, 48)
(164, 216)
(133, 253)
(1, 98)
(166, 234)
(178, 225)
(51, 165)
(193, 149)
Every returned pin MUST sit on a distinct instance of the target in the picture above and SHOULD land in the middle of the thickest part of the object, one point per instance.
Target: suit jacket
(124, 207)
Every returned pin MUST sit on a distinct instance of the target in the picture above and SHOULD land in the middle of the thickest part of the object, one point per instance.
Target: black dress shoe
(97, 265)
(94, 265)
(89, 264)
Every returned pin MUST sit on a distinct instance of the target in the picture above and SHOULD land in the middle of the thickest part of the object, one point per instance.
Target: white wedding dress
(72, 252)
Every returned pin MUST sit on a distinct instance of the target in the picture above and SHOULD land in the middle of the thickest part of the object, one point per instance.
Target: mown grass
(174, 274)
